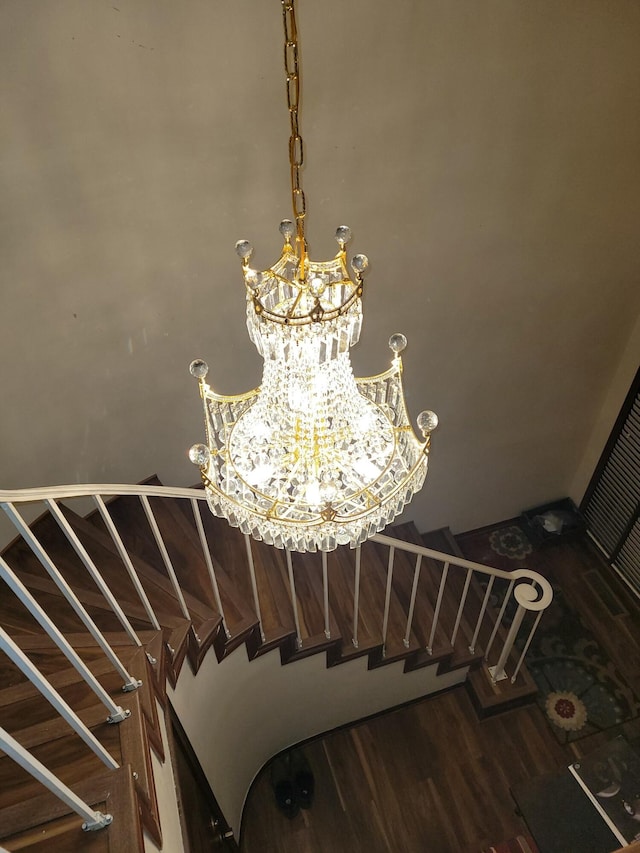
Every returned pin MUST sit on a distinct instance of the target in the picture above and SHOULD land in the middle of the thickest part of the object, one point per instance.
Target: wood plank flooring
(430, 777)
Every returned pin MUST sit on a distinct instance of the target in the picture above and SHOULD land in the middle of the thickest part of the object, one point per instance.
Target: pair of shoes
(292, 782)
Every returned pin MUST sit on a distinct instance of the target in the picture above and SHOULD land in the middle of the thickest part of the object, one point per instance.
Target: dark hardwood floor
(431, 776)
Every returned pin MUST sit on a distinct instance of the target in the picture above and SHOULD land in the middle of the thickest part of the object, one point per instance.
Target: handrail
(516, 574)
(533, 592)
(83, 490)
(117, 489)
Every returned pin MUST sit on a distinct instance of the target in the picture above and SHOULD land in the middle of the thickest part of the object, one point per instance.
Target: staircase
(149, 582)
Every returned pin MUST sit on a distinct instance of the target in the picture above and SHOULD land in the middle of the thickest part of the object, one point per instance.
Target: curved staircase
(145, 584)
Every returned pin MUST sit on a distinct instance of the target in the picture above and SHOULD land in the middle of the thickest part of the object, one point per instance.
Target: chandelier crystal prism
(313, 458)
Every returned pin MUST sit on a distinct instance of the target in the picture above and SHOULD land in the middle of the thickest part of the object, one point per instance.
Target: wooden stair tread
(154, 580)
(274, 598)
(25, 823)
(67, 757)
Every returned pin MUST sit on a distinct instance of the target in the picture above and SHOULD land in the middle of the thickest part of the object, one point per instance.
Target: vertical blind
(611, 504)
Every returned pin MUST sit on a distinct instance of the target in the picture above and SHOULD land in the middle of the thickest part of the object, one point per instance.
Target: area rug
(519, 844)
(580, 690)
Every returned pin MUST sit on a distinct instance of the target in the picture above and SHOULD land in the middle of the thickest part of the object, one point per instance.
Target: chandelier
(313, 458)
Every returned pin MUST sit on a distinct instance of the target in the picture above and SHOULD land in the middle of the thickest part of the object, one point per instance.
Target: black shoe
(303, 780)
(283, 786)
(286, 798)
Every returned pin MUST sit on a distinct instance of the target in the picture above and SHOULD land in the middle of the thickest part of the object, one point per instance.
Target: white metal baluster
(19, 589)
(498, 672)
(92, 819)
(505, 601)
(485, 601)
(27, 534)
(356, 598)
(463, 600)
(195, 505)
(55, 699)
(254, 585)
(153, 524)
(412, 604)
(436, 612)
(526, 646)
(91, 567)
(325, 589)
(387, 600)
(126, 559)
(294, 600)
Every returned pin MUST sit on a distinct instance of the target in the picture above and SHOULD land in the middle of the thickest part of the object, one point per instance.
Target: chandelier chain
(296, 145)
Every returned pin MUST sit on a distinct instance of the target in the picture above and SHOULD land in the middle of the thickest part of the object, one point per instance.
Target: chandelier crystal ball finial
(343, 234)
(244, 249)
(397, 343)
(427, 422)
(360, 263)
(199, 368)
(287, 229)
(199, 454)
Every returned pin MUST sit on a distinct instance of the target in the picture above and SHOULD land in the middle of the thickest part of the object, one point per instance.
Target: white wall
(484, 153)
(240, 713)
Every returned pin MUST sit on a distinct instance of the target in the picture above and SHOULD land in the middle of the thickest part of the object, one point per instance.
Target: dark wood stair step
(24, 701)
(29, 569)
(46, 592)
(33, 823)
(157, 585)
(69, 758)
(341, 570)
(179, 537)
(233, 582)
(232, 565)
(440, 540)
(310, 646)
(427, 591)
(375, 563)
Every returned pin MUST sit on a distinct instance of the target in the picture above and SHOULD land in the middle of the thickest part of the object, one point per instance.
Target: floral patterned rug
(580, 689)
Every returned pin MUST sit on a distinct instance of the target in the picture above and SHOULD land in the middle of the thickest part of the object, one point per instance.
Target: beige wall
(238, 714)
(485, 155)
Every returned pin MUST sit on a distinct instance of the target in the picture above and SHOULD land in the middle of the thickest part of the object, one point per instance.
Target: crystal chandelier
(313, 458)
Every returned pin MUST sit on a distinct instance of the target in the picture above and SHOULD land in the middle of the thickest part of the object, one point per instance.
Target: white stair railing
(530, 592)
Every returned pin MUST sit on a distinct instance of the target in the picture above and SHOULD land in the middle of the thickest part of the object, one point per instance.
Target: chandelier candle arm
(313, 458)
